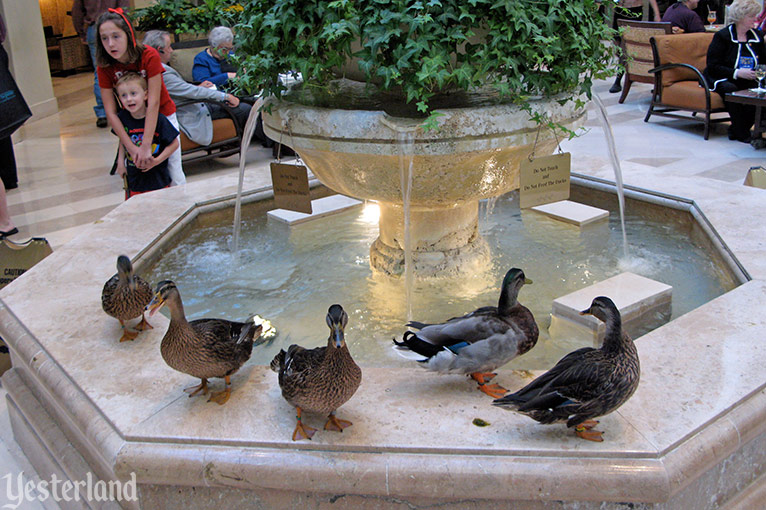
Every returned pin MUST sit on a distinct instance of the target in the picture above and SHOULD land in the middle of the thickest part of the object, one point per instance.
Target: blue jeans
(91, 38)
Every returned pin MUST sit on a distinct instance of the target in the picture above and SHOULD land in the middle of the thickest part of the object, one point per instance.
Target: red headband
(121, 13)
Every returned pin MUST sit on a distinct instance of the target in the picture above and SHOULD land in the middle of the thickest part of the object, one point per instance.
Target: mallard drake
(125, 297)
(319, 380)
(479, 342)
(203, 348)
(585, 383)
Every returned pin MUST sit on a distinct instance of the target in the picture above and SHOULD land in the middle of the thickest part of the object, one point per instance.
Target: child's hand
(121, 170)
(135, 153)
(151, 164)
(145, 159)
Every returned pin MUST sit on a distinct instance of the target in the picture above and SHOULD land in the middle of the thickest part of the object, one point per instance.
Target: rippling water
(292, 275)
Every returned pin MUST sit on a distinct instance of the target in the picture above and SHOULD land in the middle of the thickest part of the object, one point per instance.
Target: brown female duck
(203, 348)
(477, 343)
(125, 296)
(319, 380)
(585, 383)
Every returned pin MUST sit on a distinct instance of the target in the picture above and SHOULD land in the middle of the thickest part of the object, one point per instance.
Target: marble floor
(64, 182)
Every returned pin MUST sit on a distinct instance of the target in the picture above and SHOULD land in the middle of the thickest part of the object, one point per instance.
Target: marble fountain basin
(692, 436)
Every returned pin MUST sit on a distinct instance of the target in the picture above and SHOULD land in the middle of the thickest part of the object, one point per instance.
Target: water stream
(247, 136)
(612, 147)
(406, 159)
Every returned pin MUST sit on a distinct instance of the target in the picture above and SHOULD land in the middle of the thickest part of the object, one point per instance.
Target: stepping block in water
(643, 303)
(572, 212)
(321, 206)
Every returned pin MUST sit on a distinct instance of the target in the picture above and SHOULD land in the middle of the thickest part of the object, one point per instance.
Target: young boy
(132, 91)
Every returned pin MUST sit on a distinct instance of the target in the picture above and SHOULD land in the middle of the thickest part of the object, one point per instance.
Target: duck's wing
(468, 329)
(561, 383)
(298, 359)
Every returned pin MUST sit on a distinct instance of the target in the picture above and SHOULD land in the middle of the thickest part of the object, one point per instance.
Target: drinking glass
(711, 16)
(760, 73)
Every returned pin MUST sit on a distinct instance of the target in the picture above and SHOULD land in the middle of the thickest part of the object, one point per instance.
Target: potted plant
(489, 74)
(519, 48)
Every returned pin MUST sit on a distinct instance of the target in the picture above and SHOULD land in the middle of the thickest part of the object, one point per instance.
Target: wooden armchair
(678, 81)
(638, 50)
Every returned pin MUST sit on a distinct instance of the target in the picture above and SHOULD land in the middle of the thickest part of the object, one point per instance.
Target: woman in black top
(731, 59)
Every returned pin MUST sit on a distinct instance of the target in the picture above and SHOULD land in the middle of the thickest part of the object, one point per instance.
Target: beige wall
(25, 45)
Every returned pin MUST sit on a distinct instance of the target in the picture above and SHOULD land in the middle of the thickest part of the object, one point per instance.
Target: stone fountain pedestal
(435, 177)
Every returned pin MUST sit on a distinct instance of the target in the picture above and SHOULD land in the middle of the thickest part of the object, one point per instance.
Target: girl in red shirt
(117, 52)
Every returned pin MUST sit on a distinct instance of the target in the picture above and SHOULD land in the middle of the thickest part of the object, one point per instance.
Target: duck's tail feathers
(511, 402)
(250, 332)
(412, 347)
(416, 324)
(279, 361)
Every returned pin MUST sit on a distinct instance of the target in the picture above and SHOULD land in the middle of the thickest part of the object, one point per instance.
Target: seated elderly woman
(212, 63)
(731, 59)
(195, 120)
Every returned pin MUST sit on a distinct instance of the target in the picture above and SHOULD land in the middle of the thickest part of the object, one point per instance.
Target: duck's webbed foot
(143, 325)
(493, 390)
(586, 430)
(193, 390)
(302, 431)
(221, 397)
(333, 423)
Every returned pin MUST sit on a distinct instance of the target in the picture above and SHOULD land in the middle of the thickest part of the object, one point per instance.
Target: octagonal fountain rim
(659, 444)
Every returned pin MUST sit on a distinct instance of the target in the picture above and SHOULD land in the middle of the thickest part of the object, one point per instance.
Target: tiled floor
(64, 181)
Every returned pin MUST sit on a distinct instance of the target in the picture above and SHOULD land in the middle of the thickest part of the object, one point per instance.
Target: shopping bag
(13, 109)
(17, 258)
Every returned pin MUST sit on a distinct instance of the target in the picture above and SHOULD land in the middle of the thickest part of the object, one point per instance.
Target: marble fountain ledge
(693, 435)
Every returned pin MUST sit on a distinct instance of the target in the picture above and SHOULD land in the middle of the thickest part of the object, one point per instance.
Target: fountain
(83, 405)
(475, 154)
(81, 402)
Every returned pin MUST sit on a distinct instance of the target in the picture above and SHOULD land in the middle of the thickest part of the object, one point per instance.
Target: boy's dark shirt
(157, 177)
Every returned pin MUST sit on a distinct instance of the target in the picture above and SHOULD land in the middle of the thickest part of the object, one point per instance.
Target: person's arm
(150, 122)
(717, 66)
(656, 10)
(78, 18)
(121, 170)
(180, 88)
(165, 154)
(203, 69)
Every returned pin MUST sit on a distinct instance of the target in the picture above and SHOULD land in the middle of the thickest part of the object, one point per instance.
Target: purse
(14, 110)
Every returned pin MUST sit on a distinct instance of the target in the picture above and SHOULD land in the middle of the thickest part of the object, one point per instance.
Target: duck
(203, 348)
(586, 383)
(125, 296)
(319, 380)
(477, 343)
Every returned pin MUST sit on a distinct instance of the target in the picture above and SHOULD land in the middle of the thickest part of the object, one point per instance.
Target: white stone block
(638, 298)
(322, 207)
(572, 212)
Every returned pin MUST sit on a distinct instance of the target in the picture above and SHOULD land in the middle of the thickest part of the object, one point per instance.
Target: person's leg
(99, 108)
(8, 164)
(175, 168)
(6, 224)
(742, 115)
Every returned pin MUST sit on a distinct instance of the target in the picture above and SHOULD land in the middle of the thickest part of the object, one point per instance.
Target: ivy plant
(521, 48)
